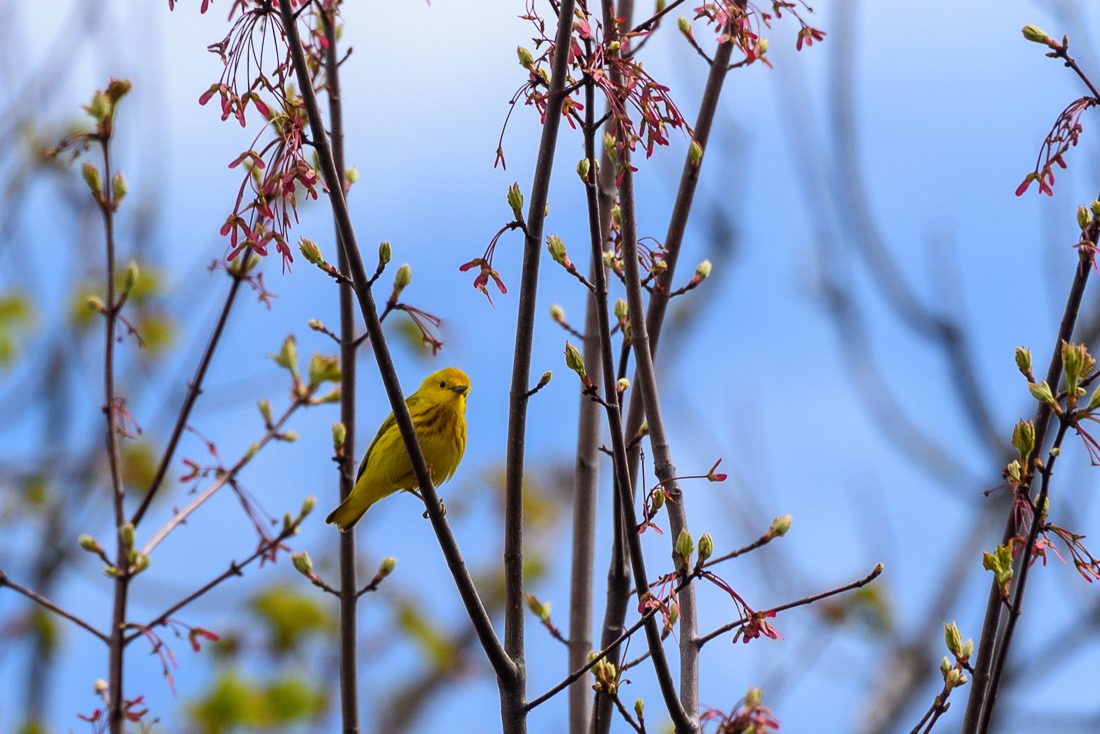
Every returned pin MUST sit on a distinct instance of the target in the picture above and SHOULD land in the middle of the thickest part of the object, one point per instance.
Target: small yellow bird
(438, 411)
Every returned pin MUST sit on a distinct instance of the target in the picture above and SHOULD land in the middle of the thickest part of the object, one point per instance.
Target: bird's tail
(347, 514)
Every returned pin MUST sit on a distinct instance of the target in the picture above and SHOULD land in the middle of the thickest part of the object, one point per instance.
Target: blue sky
(951, 106)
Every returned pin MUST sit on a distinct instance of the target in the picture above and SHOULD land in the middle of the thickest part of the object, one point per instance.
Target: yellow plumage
(438, 411)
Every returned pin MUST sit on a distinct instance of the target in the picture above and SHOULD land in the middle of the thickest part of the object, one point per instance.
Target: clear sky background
(951, 105)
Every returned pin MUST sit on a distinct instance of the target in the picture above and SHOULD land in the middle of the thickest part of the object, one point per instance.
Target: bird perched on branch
(438, 411)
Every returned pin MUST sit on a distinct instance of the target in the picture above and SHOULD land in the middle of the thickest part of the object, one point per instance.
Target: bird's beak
(461, 389)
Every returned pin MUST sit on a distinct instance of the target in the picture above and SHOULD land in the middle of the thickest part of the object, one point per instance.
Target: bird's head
(448, 384)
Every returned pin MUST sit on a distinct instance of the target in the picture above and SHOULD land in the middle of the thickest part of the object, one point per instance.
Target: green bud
(92, 178)
(385, 568)
(1014, 472)
(339, 435)
(753, 697)
(1023, 361)
(1094, 401)
(352, 175)
(402, 279)
(780, 526)
(967, 650)
(953, 638)
(556, 248)
(762, 47)
(706, 547)
(1023, 439)
(685, 545)
(526, 58)
(1084, 216)
(303, 564)
(945, 667)
(139, 563)
(658, 499)
(515, 200)
(1035, 34)
(129, 279)
(384, 252)
(100, 107)
(288, 436)
(311, 252)
(584, 166)
(287, 358)
(95, 303)
(126, 534)
(695, 154)
(545, 379)
(1094, 207)
(308, 504)
(574, 360)
(118, 188)
(111, 572)
(324, 368)
(684, 26)
(617, 215)
(265, 410)
(621, 309)
(702, 271)
(88, 543)
(315, 325)
(608, 258)
(622, 385)
(332, 397)
(539, 609)
(1041, 392)
(557, 313)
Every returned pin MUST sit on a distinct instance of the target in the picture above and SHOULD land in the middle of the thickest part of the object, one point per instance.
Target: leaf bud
(265, 410)
(118, 188)
(557, 313)
(556, 248)
(621, 309)
(117, 89)
(706, 547)
(311, 252)
(584, 166)
(89, 544)
(303, 564)
(780, 526)
(684, 26)
(352, 175)
(126, 534)
(526, 58)
(339, 435)
(695, 154)
(622, 385)
(685, 545)
(953, 638)
(515, 200)
(1094, 207)
(129, 279)
(308, 504)
(324, 368)
(92, 178)
(574, 360)
(403, 277)
(702, 271)
(1035, 34)
(1041, 392)
(385, 568)
(384, 252)
(1023, 439)
(658, 499)
(539, 609)
(639, 704)
(1084, 216)
(545, 379)
(1023, 361)
(287, 358)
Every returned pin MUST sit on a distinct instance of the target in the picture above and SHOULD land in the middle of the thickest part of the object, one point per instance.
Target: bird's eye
(443, 384)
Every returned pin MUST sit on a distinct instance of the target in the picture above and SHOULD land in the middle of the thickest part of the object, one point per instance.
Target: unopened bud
(695, 154)
(952, 637)
(126, 534)
(685, 545)
(352, 175)
(556, 248)
(308, 504)
(385, 568)
(706, 547)
(780, 526)
(1083, 216)
(303, 564)
(1035, 34)
(324, 368)
(621, 309)
(622, 385)
(574, 360)
(702, 271)
(684, 26)
(95, 303)
(658, 499)
(526, 58)
(92, 178)
(118, 188)
(1023, 361)
(584, 166)
(539, 609)
(1023, 438)
(265, 410)
(639, 704)
(339, 435)
(287, 358)
(1094, 207)
(557, 313)
(117, 89)
(384, 252)
(1041, 392)
(545, 379)
(515, 200)
(310, 251)
(88, 543)
(131, 277)
(402, 279)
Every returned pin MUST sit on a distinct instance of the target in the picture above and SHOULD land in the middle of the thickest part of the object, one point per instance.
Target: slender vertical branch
(662, 455)
(349, 595)
(498, 658)
(983, 692)
(118, 492)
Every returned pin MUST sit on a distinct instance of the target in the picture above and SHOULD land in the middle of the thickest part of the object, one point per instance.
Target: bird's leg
(442, 507)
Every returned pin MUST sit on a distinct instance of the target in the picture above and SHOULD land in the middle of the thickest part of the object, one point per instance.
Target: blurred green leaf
(290, 616)
(431, 640)
(15, 314)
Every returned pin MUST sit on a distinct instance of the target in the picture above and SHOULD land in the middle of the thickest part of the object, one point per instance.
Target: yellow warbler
(438, 411)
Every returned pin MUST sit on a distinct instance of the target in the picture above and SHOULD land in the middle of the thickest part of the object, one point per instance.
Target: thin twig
(42, 601)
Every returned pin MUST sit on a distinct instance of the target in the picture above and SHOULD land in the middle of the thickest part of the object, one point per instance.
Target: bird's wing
(390, 422)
